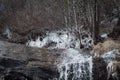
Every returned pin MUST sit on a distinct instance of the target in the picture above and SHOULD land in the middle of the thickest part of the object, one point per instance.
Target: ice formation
(64, 39)
(75, 66)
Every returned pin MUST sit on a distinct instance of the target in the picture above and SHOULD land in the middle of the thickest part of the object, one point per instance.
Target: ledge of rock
(18, 61)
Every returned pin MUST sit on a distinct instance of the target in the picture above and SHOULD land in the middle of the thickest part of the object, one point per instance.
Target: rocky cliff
(19, 62)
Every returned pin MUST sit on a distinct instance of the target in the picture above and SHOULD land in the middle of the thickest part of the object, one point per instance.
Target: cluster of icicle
(63, 39)
(112, 64)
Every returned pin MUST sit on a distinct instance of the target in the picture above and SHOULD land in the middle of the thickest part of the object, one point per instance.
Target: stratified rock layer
(20, 62)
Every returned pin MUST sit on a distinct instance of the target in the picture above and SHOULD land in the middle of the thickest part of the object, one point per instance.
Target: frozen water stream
(75, 65)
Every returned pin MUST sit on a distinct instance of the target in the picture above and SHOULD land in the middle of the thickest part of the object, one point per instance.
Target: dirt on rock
(106, 46)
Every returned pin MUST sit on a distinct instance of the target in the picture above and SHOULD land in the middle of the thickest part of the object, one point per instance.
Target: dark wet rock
(99, 69)
(10, 63)
(16, 76)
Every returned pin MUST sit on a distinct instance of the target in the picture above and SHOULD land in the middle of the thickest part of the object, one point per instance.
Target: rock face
(29, 16)
(18, 62)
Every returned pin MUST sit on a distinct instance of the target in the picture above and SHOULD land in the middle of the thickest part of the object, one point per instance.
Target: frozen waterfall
(75, 66)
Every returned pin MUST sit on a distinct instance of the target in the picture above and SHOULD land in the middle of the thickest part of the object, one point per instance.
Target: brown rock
(106, 46)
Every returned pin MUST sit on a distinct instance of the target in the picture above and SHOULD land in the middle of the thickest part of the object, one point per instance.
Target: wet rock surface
(99, 69)
(18, 62)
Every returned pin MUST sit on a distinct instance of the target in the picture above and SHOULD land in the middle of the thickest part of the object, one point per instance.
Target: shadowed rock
(99, 69)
